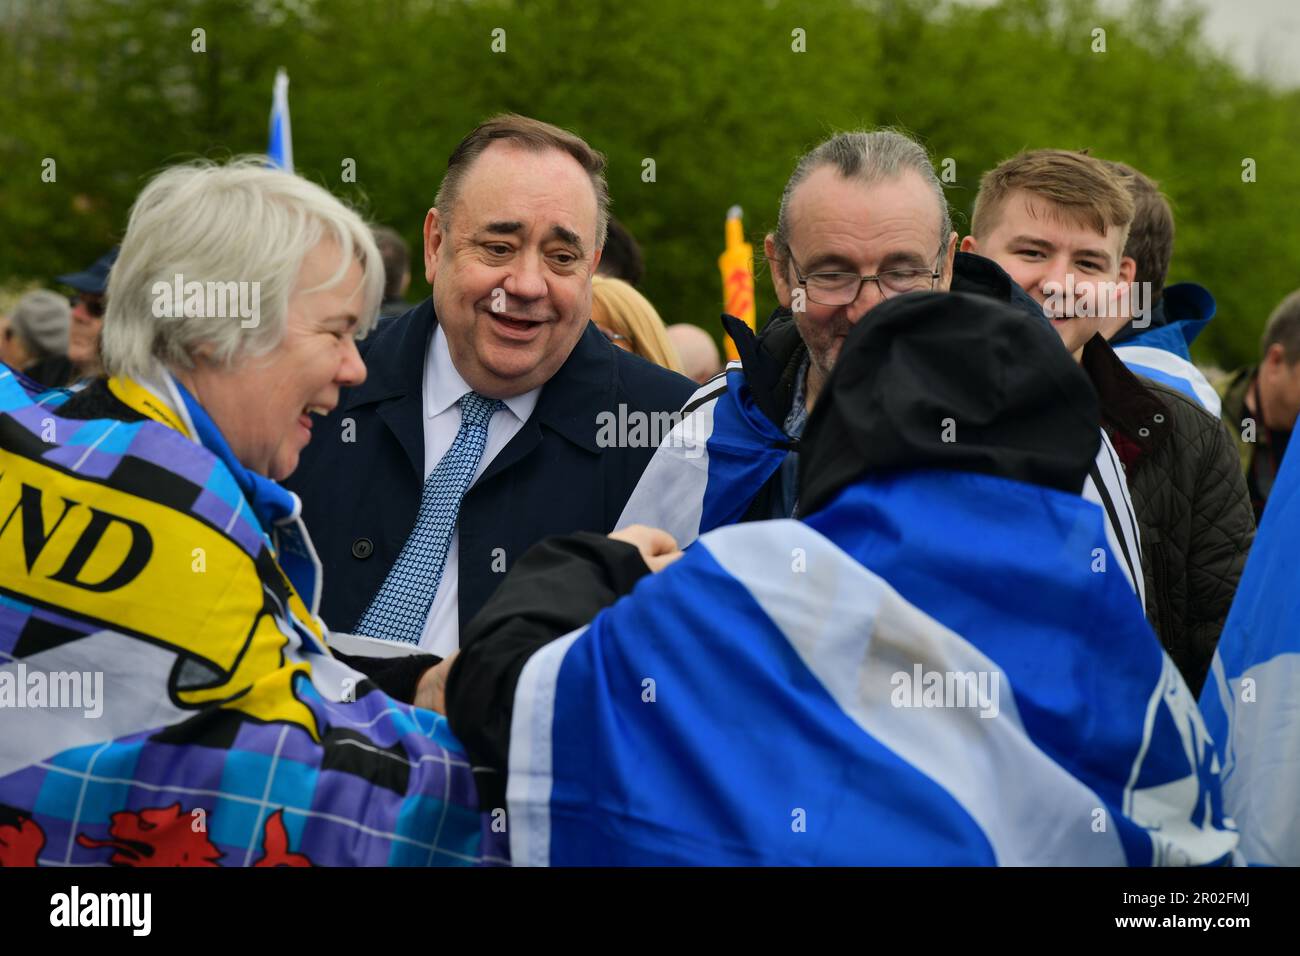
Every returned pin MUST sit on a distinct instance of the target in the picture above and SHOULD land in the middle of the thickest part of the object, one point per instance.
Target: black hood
(981, 276)
(1020, 407)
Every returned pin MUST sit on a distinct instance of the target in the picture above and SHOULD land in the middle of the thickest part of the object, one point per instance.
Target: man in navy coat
(478, 430)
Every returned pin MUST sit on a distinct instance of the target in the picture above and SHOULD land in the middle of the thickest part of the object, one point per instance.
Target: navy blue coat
(360, 497)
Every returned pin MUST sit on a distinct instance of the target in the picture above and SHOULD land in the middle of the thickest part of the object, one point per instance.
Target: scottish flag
(1163, 353)
(1251, 701)
(716, 459)
(712, 463)
(280, 142)
(923, 672)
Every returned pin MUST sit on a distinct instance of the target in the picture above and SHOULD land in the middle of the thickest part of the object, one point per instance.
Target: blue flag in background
(1251, 703)
(280, 144)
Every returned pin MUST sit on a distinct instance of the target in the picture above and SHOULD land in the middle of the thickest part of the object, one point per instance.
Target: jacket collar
(1183, 311)
(1127, 406)
(569, 403)
(763, 365)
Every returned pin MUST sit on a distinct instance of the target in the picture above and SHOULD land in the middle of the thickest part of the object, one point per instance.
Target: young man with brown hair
(1057, 222)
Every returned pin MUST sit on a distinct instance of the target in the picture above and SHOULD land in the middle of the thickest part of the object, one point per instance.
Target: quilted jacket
(1193, 510)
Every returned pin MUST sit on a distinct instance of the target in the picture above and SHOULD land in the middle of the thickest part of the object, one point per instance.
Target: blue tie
(401, 606)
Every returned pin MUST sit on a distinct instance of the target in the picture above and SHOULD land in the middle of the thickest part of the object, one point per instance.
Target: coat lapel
(394, 385)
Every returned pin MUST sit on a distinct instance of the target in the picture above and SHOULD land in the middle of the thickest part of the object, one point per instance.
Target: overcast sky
(1262, 36)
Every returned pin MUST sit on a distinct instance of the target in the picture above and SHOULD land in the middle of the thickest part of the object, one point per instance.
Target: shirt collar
(797, 419)
(444, 386)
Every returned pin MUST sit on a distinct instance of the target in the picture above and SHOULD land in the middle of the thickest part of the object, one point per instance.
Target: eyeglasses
(94, 304)
(842, 288)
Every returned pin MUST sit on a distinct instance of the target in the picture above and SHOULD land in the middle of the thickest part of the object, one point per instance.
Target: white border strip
(528, 787)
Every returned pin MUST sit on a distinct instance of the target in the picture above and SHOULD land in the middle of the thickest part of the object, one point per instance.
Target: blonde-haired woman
(629, 321)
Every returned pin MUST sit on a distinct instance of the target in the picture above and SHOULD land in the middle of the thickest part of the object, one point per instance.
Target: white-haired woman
(156, 549)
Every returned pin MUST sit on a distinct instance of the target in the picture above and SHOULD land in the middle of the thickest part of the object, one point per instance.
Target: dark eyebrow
(1032, 241)
(504, 228)
(567, 235)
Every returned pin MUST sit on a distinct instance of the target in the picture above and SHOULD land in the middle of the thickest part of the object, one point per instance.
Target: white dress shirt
(443, 387)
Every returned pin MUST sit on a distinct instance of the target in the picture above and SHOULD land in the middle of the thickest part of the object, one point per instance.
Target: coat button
(363, 548)
(1158, 418)
(1144, 432)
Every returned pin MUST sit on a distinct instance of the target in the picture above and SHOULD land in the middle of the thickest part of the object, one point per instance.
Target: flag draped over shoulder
(1251, 700)
(1163, 353)
(712, 463)
(715, 460)
(165, 699)
(922, 672)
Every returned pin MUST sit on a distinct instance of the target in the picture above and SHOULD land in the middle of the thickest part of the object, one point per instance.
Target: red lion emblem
(156, 836)
(165, 836)
(21, 843)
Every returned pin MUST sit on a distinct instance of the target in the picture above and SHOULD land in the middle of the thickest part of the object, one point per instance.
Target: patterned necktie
(401, 606)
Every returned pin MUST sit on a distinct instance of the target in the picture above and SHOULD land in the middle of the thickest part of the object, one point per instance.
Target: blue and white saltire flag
(280, 143)
(1251, 701)
(1162, 365)
(1163, 354)
(923, 672)
(711, 465)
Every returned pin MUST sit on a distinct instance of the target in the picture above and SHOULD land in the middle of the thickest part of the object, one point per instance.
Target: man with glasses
(87, 315)
(863, 219)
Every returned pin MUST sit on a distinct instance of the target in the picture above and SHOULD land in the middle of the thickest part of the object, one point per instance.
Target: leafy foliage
(113, 90)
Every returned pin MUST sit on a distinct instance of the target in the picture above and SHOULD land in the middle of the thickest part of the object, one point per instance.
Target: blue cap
(95, 278)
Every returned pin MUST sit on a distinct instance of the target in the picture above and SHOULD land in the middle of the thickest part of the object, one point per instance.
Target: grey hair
(220, 224)
(1283, 327)
(869, 156)
(40, 320)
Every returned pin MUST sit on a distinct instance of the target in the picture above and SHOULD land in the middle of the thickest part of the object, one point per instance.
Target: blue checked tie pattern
(401, 606)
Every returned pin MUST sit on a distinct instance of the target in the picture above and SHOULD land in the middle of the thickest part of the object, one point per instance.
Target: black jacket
(360, 497)
(1190, 500)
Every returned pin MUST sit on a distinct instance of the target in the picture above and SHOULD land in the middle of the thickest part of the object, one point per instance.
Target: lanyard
(136, 396)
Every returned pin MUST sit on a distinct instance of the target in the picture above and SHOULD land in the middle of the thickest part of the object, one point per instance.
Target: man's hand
(431, 691)
(658, 548)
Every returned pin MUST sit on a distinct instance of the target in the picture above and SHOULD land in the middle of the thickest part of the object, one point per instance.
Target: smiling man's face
(511, 272)
(843, 225)
(1047, 251)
